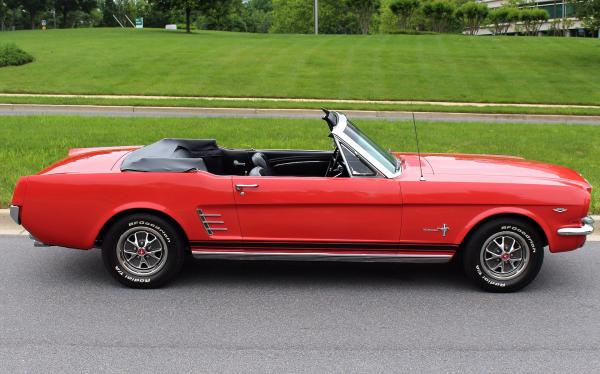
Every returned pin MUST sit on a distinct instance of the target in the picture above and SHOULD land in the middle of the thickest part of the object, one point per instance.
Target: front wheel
(503, 255)
(143, 251)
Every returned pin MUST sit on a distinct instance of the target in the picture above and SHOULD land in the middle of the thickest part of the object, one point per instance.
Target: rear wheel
(143, 251)
(503, 255)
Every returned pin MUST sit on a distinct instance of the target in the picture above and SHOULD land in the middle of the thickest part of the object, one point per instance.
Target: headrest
(259, 159)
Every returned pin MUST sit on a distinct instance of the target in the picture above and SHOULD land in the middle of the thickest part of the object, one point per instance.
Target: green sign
(139, 22)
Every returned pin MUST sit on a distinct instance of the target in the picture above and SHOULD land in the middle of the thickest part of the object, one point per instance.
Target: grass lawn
(401, 67)
(30, 143)
(203, 103)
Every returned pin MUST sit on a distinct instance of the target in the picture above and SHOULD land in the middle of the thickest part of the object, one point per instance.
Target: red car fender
(506, 210)
(137, 205)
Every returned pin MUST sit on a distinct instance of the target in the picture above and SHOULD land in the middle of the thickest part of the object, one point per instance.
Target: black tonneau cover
(172, 155)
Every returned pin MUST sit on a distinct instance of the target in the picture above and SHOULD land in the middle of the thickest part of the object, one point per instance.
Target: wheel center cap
(141, 252)
(505, 257)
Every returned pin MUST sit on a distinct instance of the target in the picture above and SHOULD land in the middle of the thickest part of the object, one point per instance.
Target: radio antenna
(418, 149)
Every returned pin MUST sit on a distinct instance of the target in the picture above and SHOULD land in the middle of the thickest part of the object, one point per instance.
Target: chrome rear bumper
(15, 214)
(586, 229)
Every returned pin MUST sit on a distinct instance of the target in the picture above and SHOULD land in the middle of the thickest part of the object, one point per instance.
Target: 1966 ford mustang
(149, 207)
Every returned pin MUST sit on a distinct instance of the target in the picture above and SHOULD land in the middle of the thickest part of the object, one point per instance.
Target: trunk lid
(90, 160)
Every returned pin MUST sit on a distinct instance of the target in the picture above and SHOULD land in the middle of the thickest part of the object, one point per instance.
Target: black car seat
(257, 171)
(261, 165)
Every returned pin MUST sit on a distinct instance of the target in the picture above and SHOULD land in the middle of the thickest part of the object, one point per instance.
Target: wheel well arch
(518, 216)
(128, 212)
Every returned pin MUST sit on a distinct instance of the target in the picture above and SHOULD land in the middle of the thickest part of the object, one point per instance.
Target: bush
(472, 15)
(532, 20)
(404, 10)
(440, 14)
(502, 18)
(11, 55)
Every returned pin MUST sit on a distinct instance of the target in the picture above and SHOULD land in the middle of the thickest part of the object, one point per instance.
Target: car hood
(503, 166)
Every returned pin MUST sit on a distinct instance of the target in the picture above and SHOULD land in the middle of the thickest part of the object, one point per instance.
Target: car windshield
(385, 158)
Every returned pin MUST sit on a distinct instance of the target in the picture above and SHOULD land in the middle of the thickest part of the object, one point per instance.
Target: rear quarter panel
(70, 209)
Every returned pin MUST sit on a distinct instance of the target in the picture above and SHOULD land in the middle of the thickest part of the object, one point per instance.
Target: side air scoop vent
(210, 219)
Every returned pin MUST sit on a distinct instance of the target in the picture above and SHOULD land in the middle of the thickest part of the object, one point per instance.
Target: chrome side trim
(586, 229)
(323, 256)
(15, 213)
(300, 162)
(208, 223)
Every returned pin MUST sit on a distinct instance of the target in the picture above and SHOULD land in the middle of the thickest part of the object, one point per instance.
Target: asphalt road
(61, 312)
(130, 111)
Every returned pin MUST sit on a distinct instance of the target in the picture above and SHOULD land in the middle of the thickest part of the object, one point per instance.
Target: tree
(64, 7)
(404, 10)
(187, 6)
(472, 14)
(3, 14)
(532, 20)
(364, 10)
(440, 14)
(498, 18)
(108, 8)
(258, 15)
(222, 15)
(292, 17)
(33, 7)
(589, 12)
(296, 17)
(502, 17)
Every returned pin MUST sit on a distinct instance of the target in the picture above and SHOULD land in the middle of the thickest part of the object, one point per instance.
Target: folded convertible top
(172, 155)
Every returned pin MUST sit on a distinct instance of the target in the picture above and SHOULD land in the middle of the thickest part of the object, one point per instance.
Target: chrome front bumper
(586, 229)
(15, 213)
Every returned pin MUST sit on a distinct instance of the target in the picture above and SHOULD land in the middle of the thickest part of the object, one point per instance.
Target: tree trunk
(188, 16)
(63, 21)
(364, 24)
(32, 18)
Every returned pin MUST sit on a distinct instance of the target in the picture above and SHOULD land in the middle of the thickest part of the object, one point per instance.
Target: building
(561, 19)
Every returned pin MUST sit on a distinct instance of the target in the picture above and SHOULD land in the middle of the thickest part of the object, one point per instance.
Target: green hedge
(11, 55)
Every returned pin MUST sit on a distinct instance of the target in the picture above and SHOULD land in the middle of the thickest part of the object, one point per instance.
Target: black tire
(144, 265)
(486, 259)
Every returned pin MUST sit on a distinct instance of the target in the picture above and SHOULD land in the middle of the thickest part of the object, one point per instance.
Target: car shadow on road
(291, 273)
(87, 268)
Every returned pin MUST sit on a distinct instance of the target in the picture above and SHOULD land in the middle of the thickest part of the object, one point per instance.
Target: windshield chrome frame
(338, 132)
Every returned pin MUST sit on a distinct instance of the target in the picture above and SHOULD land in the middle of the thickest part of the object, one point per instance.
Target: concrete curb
(149, 111)
(9, 227)
(300, 100)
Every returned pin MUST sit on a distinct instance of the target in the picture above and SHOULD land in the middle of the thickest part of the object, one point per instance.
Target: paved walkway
(303, 100)
(146, 111)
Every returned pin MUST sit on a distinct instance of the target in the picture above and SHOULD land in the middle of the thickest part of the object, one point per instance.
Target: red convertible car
(150, 207)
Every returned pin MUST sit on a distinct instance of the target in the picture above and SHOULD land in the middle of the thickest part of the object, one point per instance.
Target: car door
(321, 211)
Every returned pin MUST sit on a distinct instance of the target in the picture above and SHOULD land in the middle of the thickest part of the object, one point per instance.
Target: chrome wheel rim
(142, 251)
(504, 255)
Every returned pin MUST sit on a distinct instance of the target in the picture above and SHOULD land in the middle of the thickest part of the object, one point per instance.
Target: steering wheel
(334, 164)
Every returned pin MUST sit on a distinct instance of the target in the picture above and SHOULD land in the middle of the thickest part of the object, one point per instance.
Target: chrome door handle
(239, 187)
